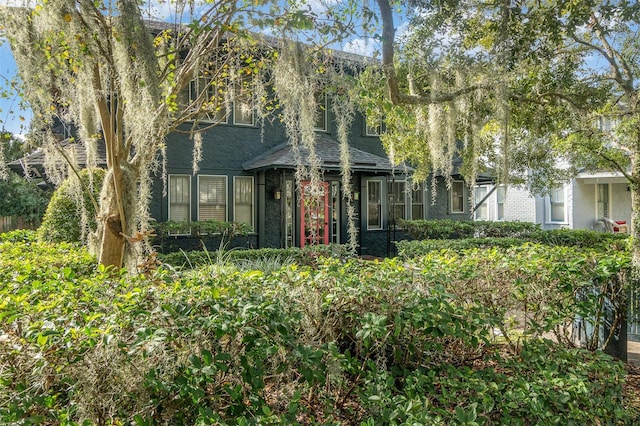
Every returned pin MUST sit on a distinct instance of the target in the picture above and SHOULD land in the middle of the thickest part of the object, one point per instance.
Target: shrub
(71, 215)
(23, 199)
(343, 342)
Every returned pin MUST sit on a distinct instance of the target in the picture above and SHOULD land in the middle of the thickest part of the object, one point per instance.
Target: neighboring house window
(500, 199)
(482, 210)
(179, 198)
(607, 123)
(557, 203)
(602, 198)
(375, 129)
(243, 102)
(456, 197)
(321, 111)
(397, 201)
(417, 204)
(209, 96)
(374, 204)
(243, 199)
(212, 198)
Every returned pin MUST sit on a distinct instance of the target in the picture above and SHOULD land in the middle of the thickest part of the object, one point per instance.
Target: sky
(15, 120)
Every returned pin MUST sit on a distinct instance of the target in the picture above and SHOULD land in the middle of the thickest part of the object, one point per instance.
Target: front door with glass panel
(314, 214)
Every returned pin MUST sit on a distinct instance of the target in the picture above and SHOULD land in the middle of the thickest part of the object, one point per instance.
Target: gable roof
(328, 151)
(33, 164)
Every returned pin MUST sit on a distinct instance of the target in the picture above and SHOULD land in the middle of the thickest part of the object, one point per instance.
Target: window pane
(243, 102)
(212, 201)
(243, 199)
(321, 111)
(179, 192)
(374, 204)
(556, 200)
(207, 95)
(417, 204)
(482, 210)
(457, 197)
(398, 201)
(502, 195)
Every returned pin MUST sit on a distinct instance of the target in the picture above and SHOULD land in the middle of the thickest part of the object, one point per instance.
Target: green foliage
(22, 198)
(19, 236)
(556, 237)
(339, 342)
(440, 229)
(63, 220)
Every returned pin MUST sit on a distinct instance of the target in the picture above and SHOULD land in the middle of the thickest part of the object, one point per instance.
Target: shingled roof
(33, 164)
(328, 150)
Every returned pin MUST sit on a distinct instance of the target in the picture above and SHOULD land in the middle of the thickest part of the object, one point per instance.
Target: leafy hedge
(556, 237)
(342, 342)
(442, 229)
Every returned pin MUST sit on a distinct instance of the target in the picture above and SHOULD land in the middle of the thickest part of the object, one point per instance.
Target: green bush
(22, 198)
(343, 342)
(63, 219)
(558, 237)
(19, 235)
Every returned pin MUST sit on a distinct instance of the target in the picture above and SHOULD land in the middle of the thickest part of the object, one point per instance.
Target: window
(602, 197)
(397, 201)
(208, 96)
(500, 199)
(212, 198)
(243, 102)
(374, 129)
(179, 198)
(374, 204)
(321, 111)
(417, 203)
(456, 197)
(557, 204)
(482, 210)
(243, 199)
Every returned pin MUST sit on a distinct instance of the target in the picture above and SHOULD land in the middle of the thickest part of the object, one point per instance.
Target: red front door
(314, 212)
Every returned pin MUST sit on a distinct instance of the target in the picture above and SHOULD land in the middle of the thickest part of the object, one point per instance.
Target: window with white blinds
(212, 198)
(243, 199)
(179, 198)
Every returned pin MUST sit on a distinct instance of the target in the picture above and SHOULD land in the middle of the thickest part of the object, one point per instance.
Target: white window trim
(464, 191)
(226, 195)
(326, 114)
(596, 199)
(235, 109)
(253, 201)
(380, 128)
(504, 203)
(565, 220)
(205, 116)
(381, 226)
(407, 201)
(478, 206)
(169, 200)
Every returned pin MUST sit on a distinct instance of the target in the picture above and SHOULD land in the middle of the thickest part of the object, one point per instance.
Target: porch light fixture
(277, 194)
(356, 196)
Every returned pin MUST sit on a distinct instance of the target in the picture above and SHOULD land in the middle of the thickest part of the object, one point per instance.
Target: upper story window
(243, 102)
(456, 197)
(481, 205)
(243, 211)
(212, 198)
(374, 129)
(607, 123)
(557, 204)
(374, 204)
(321, 111)
(208, 95)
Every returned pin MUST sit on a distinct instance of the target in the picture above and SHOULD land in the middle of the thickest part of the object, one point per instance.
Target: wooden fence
(10, 223)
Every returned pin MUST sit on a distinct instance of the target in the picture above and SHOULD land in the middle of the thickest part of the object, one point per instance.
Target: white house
(581, 203)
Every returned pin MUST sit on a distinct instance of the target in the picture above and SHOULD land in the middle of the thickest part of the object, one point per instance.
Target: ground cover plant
(431, 340)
